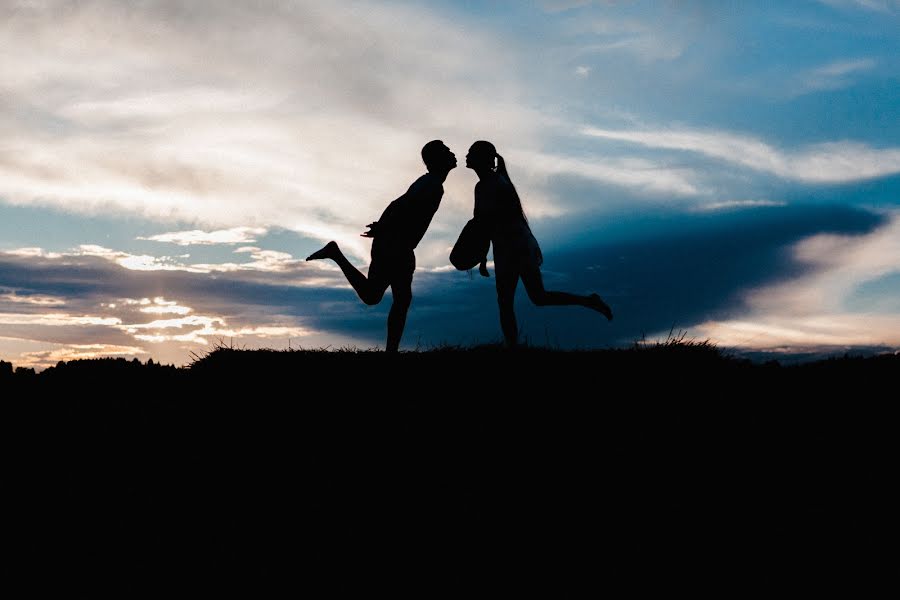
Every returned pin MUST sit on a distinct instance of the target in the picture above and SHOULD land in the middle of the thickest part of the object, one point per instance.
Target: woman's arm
(482, 268)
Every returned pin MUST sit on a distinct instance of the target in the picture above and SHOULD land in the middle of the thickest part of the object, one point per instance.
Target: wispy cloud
(832, 162)
(634, 173)
(30, 299)
(196, 237)
(134, 262)
(161, 306)
(882, 6)
(738, 204)
(261, 260)
(646, 47)
(55, 319)
(833, 76)
(555, 6)
(648, 41)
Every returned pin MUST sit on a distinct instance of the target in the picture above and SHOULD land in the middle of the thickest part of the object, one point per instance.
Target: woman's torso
(497, 206)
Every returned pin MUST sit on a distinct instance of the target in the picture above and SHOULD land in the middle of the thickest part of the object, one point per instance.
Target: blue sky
(730, 169)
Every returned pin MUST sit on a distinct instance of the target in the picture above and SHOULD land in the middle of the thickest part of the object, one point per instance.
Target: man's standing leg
(401, 290)
(397, 317)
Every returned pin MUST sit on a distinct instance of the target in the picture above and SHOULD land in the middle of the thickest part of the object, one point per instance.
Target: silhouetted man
(394, 237)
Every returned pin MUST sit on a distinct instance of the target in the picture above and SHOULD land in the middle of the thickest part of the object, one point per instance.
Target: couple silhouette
(498, 212)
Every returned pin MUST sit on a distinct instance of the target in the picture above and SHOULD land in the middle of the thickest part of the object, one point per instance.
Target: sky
(726, 170)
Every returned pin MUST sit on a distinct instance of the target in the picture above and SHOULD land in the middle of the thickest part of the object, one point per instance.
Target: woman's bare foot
(329, 251)
(597, 303)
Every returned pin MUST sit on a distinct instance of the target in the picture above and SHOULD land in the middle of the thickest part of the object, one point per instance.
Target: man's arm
(385, 223)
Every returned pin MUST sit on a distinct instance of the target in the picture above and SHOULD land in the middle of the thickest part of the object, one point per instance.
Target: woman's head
(482, 156)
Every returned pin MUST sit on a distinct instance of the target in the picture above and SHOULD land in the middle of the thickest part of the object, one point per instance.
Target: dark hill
(477, 470)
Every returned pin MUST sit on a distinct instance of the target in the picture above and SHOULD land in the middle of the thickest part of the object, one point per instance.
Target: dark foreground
(478, 472)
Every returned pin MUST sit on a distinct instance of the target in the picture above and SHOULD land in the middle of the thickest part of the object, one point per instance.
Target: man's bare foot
(329, 251)
(597, 303)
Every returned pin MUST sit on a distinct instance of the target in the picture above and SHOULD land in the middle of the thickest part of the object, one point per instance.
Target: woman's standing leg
(507, 280)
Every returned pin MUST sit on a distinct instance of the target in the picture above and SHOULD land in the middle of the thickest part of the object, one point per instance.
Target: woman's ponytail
(501, 167)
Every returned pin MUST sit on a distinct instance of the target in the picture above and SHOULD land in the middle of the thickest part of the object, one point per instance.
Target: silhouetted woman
(516, 252)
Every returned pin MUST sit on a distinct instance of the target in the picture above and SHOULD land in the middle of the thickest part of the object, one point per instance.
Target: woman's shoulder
(485, 186)
(492, 182)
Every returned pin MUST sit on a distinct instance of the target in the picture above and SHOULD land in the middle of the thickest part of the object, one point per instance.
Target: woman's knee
(538, 297)
(534, 287)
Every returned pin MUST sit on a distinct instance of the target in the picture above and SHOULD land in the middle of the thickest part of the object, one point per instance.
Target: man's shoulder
(426, 184)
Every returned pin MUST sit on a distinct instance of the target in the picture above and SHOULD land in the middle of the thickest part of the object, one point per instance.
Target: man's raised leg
(370, 292)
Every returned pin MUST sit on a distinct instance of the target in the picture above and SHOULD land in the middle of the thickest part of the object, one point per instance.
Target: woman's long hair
(489, 149)
(501, 169)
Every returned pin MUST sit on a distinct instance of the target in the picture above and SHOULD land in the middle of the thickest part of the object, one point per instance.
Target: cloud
(30, 299)
(661, 35)
(832, 162)
(161, 306)
(882, 6)
(295, 115)
(738, 204)
(225, 121)
(555, 6)
(134, 262)
(262, 260)
(55, 319)
(843, 67)
(699, 270)
(196, 237)
(636, 173)
(811, 311)
(647, 47)
(32, 252)
(46, 358)
(833, 76)
(823, 333)
(98, 300)
(677, 269)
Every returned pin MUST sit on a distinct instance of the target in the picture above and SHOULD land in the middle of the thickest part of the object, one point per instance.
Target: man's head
(438, 157)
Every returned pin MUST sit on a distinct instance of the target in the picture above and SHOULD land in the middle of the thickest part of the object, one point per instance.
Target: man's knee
(373, 297)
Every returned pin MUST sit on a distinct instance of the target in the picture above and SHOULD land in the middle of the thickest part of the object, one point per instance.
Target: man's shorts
(392, 267)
